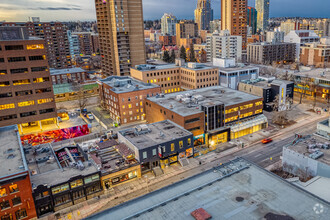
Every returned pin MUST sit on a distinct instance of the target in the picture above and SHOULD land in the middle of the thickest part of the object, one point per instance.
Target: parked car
(266, 140)
(90, 116)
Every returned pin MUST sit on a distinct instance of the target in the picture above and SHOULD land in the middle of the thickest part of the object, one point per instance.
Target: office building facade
(203, 14)
(168, 23)
(262, 7)
(252, 19)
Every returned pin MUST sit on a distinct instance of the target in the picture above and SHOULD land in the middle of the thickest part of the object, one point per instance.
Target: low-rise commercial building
(124, 97)
(61, 176)
(167, 40)
(158, 144)
(26, 94)
(72, 75)
(177, 77)
(323, 128)
(67, 92)
(268, 91)
(269, 53)
(214, 114)
(316, 54)
(16, 201)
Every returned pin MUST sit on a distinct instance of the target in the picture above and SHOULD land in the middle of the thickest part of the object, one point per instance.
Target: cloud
(57, 8)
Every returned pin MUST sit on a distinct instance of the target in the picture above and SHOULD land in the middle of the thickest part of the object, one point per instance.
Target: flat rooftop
(123, 84)
(148, 67)
(66, 71)
(323, 74)
(154, 134)
(235, 190)
(302, 148)
(11, 158)
(45, 167)
(318, 185)
(264, 84)
(214, 95)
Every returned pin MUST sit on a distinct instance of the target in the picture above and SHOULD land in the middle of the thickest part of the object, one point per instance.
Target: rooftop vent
(11, 156)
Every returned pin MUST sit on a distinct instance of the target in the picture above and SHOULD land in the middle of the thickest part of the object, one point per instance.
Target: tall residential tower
(233, 18)
(203, 14)
(168, 22)
(120, 26)
(262, 7)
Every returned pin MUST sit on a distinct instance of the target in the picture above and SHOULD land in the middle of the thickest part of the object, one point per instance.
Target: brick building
(124, 97)
(177, 77)
(167, 40)
(16, 201)
(316, 54)
(60, 76)
(26, 95)
(267, 53)
(56, 42)
(213, 114)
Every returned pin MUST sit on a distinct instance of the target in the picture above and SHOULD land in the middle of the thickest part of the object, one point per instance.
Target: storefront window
(92, 178)
(78, 194)
(93, 189)
(172, 147)
(189, 141)
(62, 199)
(59, 189)
(76, 183)
(7, 217)
(3, 192)
(20, 214)
(181, 144)
(13, 188)
(173, 159)
(189, 152)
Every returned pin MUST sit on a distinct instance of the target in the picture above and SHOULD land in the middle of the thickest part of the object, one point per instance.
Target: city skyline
(51, 10)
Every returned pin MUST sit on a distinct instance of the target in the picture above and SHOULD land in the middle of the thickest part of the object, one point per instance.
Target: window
(181, 144)
(40, 80)
(31, 58)
(258, 111)
(6, 95)
(90, 179)
(192, 120)
(27, 114)
(43, 90)
(7, 217)
(62, 199)
(172, 147)
(13, 188)
(144, 155)
(20, 70)
(26, 103)
(38, 69)
(154, 152)
(7, 106)
(5, 83)
(129, 105)
(20, 214)
(21, 82)
(42, 101)
(48, 110)
(23, 93)
(16, 201)
(189, 141)
(60, 188)
(4, 204)
(34, 46)
(14, 47)
(2, 60)
(78, 194)
(258, 103)
(93, 189)
(16, 59)
(3, 72)
(76, 183)
(3, 192)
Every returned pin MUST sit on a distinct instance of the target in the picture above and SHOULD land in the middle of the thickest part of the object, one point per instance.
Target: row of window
(25, 103)
(24, 92)
(25, 81)
(163, 149)
(24, 70)
(21, 47)
(12, 189)
(20, 214)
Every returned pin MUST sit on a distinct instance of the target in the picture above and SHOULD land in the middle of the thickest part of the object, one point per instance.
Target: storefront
(219, 136)
(199, 139)
(119, 177)
(248, 126)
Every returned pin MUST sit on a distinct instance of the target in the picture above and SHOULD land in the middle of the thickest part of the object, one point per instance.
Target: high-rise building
(186, 29)
(252, 19)
(262, 7)
(215, 25)
(168, 22)
(275, 36)
(73, 44)
(289, 25)
(26, 94)
(56, 42)
(85, 42)
(120, 27)
(203, 14)
(223, 45)
(233, 18)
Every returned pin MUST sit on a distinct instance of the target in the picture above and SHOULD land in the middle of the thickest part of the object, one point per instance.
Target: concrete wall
(299, 161)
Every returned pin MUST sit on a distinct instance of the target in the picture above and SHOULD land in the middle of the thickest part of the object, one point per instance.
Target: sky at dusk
(71, 10)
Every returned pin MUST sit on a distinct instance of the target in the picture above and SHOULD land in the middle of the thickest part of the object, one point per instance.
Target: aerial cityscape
(176, 109)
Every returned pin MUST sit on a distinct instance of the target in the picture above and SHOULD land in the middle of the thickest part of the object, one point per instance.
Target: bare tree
(81, 95)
